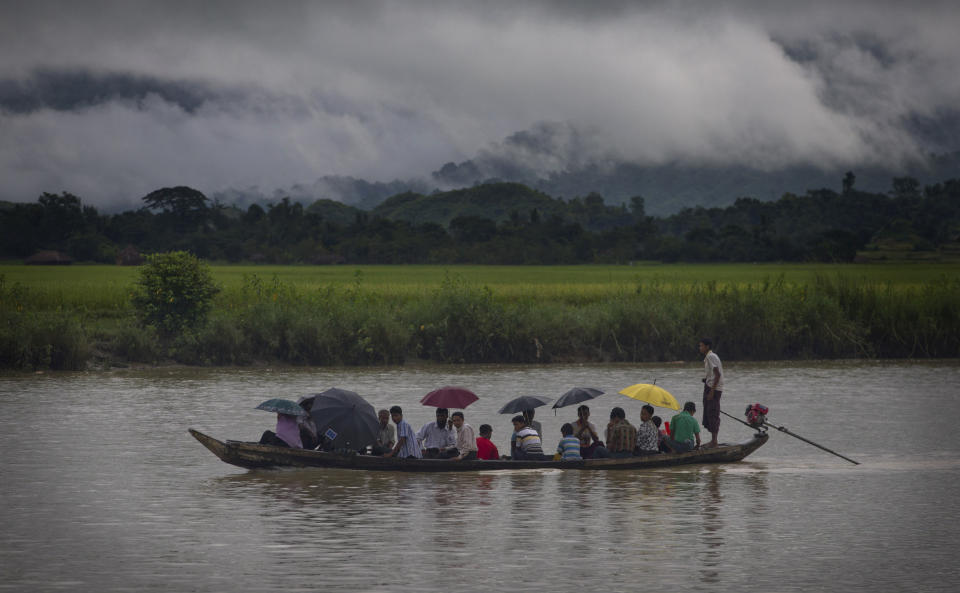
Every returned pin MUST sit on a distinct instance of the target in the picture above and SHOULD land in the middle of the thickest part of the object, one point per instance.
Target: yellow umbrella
(652, 394)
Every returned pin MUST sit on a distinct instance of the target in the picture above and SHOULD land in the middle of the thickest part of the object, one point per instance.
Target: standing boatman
(712, 389)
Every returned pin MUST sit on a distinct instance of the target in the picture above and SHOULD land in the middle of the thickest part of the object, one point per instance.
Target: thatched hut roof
(129, 256)
(328, 259)
(49, 258)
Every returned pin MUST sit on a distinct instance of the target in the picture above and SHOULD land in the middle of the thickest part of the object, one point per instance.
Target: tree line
(822, 225)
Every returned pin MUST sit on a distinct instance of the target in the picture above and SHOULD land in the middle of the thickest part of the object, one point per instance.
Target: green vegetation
(68, 317)
(174, 291)
(500, 223)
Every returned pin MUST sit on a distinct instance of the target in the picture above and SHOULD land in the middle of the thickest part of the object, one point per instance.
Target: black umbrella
(576, 395)
(345, 418)
(524, 402)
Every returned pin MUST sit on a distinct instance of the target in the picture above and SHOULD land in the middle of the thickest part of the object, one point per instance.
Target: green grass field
(60, 317)
(103, 285)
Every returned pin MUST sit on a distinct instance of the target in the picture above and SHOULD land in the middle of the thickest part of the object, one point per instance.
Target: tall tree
(848, 180)
(185, 204)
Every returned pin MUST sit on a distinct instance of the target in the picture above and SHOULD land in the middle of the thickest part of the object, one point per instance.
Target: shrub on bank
(174, 291)
(32, 341)
(460, 323)
(130, 342)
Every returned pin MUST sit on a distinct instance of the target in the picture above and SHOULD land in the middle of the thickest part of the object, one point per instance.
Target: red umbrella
(449, 397)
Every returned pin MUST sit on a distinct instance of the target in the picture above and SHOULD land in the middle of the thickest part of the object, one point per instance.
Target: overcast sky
(111, 100)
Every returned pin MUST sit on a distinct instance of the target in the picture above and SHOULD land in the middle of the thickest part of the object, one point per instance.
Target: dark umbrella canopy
(524, 402)
(345, 418)
(576, 395)
(282, 406)
(449, 397)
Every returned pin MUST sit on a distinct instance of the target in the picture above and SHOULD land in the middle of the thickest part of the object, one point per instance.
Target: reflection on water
(99, 474)
(709, 559)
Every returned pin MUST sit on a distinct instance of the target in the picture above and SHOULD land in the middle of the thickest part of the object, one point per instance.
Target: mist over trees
(495, 223)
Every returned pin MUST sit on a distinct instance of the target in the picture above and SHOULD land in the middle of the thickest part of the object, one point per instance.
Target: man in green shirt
(684, 428)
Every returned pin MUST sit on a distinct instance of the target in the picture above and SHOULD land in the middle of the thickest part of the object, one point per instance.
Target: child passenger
(662, 432)
(569, 447)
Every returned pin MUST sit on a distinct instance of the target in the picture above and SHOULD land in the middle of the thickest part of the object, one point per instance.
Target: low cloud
(226, 95)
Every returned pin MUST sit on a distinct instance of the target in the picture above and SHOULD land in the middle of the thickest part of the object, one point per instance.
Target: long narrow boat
(255, 455)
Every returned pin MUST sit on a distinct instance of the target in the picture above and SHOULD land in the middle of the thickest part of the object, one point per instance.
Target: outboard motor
(757, 416)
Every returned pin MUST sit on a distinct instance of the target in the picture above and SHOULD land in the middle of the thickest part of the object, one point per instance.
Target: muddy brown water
(102, 488)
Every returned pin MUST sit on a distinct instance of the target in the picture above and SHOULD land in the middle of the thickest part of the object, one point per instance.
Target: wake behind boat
(254, 455)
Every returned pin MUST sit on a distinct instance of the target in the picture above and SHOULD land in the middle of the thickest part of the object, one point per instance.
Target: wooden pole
(747, 424)
(793, 434)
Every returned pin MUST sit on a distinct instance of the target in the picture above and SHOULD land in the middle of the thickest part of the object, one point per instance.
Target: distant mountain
(544, 159)
(501, 202)
(334, 211)
(348, 190)
(667, 189)
(494, 201)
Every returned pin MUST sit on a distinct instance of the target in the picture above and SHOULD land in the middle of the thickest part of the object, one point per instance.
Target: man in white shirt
(437, 439)
(466, 439)
(712, 389)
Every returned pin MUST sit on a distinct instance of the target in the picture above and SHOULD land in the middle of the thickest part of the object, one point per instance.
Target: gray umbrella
(282, 406)
(576, 395)
(345, 418)
(524, 402)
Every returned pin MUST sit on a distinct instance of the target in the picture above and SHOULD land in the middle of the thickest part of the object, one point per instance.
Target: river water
(102, 488)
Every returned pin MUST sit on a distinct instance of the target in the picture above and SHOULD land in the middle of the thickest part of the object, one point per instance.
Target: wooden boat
(255, 455)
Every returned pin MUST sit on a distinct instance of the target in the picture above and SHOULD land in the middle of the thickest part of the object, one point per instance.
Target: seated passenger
(406, 446)
(590, 444)
(485, 447)
(569, 447)
(466, 440)
(385, 435)
(621, 435)
(528, 416)
(308, 428)
(648, 436)
(684, 428)
(526, 441)
(437, 439)
(661, 432)
(287, 435)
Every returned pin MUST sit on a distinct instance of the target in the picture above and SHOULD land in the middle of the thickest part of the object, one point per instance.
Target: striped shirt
(409, 448)
(528, 441)
(569, 447)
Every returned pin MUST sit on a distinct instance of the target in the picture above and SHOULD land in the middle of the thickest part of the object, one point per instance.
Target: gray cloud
(111, 100)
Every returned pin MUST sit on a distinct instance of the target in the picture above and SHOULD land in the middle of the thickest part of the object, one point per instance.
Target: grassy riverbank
(69, 317)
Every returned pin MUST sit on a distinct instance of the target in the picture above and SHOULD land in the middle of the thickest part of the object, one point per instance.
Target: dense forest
(497, 223)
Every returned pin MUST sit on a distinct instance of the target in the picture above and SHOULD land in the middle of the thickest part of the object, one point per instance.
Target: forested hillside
(500, 223)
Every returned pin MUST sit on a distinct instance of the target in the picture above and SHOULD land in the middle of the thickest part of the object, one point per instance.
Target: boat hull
(255, 455)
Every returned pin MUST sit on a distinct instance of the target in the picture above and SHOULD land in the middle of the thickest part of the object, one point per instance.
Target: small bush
(174, 291)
